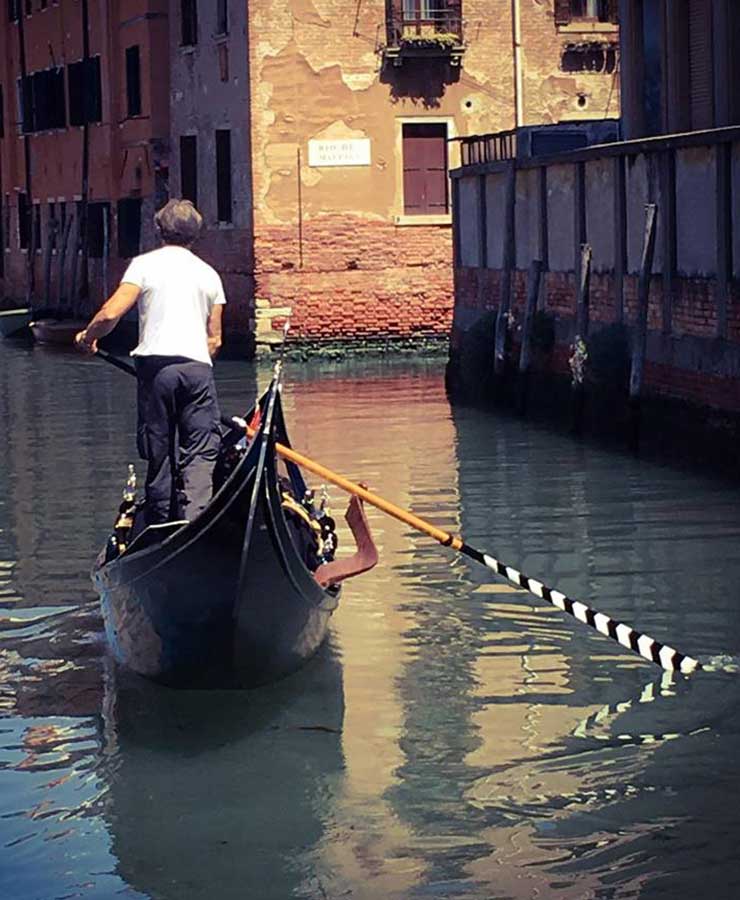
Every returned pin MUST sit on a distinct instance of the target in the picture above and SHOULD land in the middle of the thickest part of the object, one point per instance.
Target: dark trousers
(177, 435)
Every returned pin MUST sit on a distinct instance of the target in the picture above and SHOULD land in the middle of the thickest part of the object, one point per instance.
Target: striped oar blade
(650, 649)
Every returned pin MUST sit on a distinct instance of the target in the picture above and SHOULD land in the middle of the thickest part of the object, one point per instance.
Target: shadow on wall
(423, 82)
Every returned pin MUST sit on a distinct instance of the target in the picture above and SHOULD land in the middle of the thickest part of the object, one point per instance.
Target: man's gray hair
(179, 222)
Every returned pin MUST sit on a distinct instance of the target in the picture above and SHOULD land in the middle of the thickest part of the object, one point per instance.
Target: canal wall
(661, 332)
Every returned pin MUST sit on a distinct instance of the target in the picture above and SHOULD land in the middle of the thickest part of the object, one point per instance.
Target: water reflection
(457, 738)
(224, 794)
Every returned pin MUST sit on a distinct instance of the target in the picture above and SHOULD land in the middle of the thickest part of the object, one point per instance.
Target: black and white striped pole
(661, 654)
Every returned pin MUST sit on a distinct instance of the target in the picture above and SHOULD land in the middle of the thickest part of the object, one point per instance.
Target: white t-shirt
(178, 292)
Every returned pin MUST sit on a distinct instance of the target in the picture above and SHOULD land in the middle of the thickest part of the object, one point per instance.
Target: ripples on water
(456, 738)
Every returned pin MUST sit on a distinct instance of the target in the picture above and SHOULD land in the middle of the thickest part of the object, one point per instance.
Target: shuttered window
(701, 84)
(133, 80)
(734, 79)
(98, 229)
(24, 222)
(6, 220)
(222, 17)
(42, 101)
(189, 168)
(425, 185)
(37, 227)
(189, 14)
(223, 176)
(85, 95)
(601, 10)
(129, 227)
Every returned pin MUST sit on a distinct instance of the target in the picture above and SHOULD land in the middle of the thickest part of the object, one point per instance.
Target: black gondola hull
(176, 612)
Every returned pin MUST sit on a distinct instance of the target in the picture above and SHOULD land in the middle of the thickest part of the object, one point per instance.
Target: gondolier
(180, 301)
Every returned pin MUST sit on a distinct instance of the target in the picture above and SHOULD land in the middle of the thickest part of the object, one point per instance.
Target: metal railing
(420, 20)
(486, 148)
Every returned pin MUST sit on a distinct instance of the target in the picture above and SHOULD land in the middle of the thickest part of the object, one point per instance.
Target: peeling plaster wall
(549, 93)
(317, 73)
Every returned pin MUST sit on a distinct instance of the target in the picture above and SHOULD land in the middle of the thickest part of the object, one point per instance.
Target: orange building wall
(344, 258)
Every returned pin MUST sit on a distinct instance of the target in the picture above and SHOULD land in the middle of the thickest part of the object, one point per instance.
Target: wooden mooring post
(51, 238)
(579, 359)
(61, 297)
(525, 352)
(639, 342)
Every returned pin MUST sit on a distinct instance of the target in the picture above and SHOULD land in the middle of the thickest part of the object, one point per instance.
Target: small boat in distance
(243, 594)
(56, 331)
(14, 321)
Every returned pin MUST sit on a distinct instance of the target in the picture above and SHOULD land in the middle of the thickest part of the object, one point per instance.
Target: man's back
(178, 292)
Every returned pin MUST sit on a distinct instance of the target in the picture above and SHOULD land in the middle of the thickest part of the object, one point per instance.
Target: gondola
(229, 598)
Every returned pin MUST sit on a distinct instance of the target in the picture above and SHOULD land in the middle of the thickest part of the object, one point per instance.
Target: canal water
(455, 738)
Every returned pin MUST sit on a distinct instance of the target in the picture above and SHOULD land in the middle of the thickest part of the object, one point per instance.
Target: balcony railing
(486, 148)
(424, 28)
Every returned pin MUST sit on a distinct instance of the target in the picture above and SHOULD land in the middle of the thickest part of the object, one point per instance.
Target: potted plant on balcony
(444, 41)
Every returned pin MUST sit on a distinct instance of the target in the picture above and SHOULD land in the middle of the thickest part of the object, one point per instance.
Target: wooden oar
(115, 361)
(661, 654)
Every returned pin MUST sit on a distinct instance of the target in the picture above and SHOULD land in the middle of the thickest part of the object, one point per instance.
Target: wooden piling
(51, 233)
(61, 299)
(640, 331)
(31, 261)
(76, 247)
(106, 252)
(525, 353)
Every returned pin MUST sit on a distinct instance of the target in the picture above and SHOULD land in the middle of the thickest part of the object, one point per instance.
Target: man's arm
(214, 328)
(107, 317)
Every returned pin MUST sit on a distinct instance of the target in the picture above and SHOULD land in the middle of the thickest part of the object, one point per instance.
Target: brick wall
(681, 370)
(347, 277)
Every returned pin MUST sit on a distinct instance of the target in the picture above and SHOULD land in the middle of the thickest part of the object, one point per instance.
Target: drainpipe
(516, 39)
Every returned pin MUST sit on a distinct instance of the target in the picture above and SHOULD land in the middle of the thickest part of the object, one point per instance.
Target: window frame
(401, 218)
(134, 106)
(128, 238)
(85, 106)
(222, 18)
(188, 23)
(190, 140)
(566, 19)
(224, 176)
